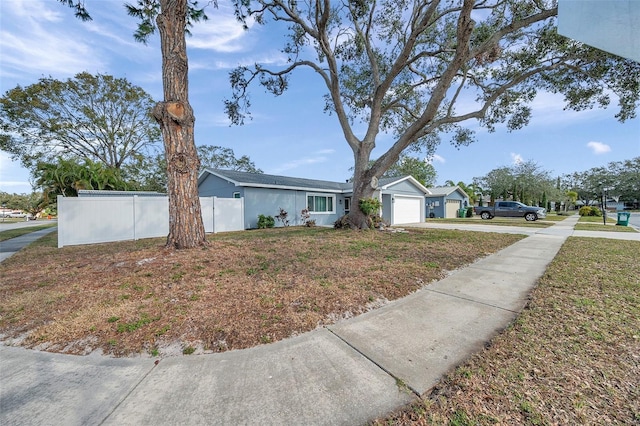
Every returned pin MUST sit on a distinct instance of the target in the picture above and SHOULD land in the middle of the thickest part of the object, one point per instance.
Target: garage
(452, 208)
(445, 201)
(406, 209)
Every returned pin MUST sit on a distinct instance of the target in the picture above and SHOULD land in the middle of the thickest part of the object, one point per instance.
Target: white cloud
(213, 63)
(516, 158)
(46, 48)
(599, 147)
(221, 33)
(319, 157)
(435, 157)
(32, 9)
(325, 151)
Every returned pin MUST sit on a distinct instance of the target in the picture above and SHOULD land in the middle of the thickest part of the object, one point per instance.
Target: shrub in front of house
(283, 217)
(305, 215)
(585, 211)
(342, 223)
(589, 211)
(595, 211)
(370, 206)
(265, 221)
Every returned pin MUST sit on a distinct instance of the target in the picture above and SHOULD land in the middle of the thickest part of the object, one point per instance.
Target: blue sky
(290, 134)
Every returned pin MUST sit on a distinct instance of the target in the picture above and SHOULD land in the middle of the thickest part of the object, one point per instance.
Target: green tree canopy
(66, 176)
(218, 157)
(419, 69)
(30, 203)
(621, 180)
(472, 190)
(149, 173)
(526, 182)
(98, 118)
(421, 170)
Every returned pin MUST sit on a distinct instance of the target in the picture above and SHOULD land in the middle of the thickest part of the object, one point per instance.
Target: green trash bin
(623, 218)
(462, 212)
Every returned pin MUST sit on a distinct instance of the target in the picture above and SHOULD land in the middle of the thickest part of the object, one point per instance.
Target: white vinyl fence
(90, 220)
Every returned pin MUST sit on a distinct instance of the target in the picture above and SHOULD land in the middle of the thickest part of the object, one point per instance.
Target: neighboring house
(611, 204)
(445, 201)
(403, 199)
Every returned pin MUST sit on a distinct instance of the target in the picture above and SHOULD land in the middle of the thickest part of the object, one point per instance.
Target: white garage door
(452, 208)
(406, 210)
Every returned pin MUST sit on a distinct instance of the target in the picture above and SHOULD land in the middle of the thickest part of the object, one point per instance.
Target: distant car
(18, 214)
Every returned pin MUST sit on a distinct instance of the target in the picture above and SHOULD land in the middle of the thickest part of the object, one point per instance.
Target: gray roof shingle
(262, 179)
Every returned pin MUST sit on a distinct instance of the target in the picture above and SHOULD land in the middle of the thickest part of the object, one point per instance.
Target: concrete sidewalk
(345, 374)
(564, 228)
(9, 247)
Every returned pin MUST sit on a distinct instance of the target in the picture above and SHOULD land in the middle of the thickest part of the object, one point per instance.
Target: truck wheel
(485, 215)
(530, 217)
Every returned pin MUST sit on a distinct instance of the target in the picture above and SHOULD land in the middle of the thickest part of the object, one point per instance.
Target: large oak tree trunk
(364, 185)
(176, 119)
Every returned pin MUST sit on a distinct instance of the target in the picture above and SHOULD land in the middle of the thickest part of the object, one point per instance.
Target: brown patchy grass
(571, 357)
(245, 289)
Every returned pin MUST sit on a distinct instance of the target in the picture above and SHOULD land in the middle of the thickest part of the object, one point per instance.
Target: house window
(319, 203)
(347, 205)
(236, 195)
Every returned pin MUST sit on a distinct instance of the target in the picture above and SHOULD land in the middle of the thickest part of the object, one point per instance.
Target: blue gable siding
(457, 196)
(404, 188)
(213, 186)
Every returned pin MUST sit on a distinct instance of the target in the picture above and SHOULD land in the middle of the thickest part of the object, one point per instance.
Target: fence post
(135, 235)
(213, 216)
(60, 206)
(242, 213)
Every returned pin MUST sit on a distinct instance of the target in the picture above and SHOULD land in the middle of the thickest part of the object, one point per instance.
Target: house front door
(347, 205)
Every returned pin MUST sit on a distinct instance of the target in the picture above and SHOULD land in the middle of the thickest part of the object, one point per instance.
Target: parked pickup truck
(511, 209)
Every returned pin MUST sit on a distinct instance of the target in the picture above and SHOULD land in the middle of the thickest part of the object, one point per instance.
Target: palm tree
(67, 177)
(572, 197)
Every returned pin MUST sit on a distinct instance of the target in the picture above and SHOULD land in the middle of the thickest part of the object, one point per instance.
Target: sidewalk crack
(399, 381)
(133, 388)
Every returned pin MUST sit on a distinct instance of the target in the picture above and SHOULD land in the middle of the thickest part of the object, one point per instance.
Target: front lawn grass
(571, 357)
(245, 289)
(610, 227)
(12, 233)
(502, 221)
(592, 219)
